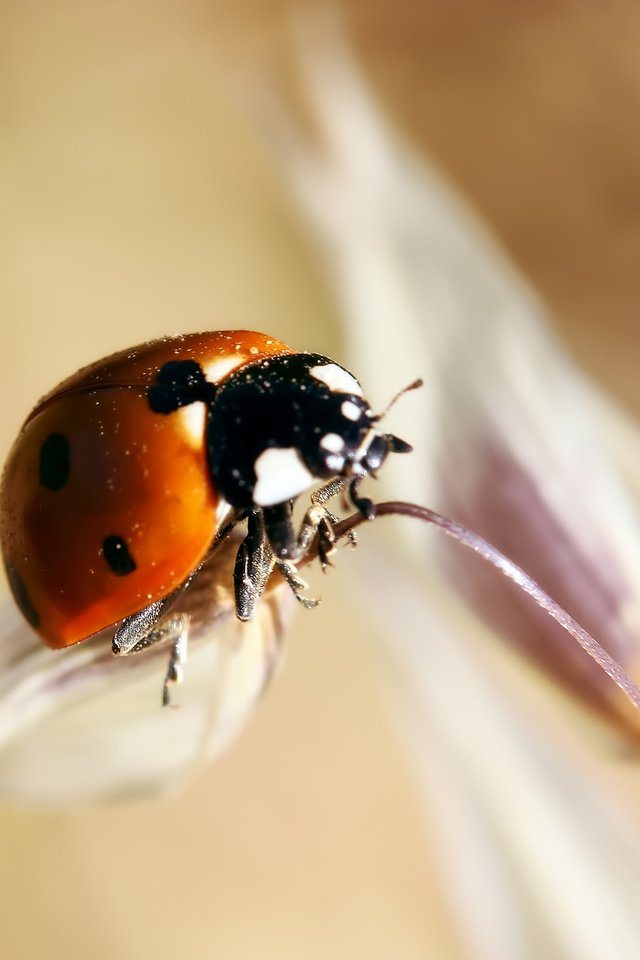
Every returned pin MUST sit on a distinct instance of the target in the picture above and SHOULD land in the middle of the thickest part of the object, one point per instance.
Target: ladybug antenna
(412, 386)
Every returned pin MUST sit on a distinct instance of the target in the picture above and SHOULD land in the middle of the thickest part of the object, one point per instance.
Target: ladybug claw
(307, 602)
(324, 555)
(297, 584)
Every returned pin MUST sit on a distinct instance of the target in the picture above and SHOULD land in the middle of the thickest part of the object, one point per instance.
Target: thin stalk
(513, 572)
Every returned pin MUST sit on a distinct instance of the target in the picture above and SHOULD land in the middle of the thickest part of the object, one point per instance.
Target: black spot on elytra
(117, 555)
(21, 595)
(55, 461)
(179, 383)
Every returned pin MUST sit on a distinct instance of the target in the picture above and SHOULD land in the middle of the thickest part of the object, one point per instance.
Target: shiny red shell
(120, 480)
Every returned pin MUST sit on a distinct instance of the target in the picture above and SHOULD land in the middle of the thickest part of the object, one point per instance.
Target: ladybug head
(284, 424)
(351, 445)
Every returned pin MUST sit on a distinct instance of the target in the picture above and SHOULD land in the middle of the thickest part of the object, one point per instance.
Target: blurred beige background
(138, 200)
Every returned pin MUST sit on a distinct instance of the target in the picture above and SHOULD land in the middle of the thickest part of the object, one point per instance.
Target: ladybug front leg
(256, 559)
(254, 563)
(148, 628)
(318, 521)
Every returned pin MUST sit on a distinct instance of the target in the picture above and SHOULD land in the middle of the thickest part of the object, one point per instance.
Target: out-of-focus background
(138, 199)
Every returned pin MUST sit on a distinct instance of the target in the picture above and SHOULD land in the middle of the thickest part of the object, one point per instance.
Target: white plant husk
(535, 825)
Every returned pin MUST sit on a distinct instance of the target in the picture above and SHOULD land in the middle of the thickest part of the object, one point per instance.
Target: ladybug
(125, 475)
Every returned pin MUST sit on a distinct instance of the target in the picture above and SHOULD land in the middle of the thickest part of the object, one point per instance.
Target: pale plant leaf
(622, 440)
(537, 831)
(530, 824)
(506, 429)
(81, 725)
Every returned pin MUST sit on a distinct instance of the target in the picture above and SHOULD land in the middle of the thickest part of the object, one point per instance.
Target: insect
(125, 475)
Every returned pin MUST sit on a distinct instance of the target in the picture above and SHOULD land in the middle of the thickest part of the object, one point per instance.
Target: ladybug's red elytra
(123, 476)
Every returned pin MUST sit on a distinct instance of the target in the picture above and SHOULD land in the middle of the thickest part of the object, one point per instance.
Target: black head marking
(117, 555)
(55, 461)
(179, 383)
(21, 595)
(282, 402)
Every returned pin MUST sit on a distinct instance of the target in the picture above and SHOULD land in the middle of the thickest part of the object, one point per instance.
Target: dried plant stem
(513, 572)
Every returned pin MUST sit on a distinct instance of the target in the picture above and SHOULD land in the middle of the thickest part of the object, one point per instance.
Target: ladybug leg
(133, 633)
(318, 521)
(327, 520)
(175, 669)
(297, 584)
(254, 563)
(148, 628)
(364, 505)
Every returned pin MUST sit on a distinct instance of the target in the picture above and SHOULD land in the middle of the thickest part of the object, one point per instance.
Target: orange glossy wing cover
(107, 505)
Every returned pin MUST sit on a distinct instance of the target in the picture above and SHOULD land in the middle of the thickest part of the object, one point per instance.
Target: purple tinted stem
(511, 570)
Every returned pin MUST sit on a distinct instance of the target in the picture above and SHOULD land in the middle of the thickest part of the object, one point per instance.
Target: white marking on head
(350, 410)
(335, 462)
(281, 476)
(332, 442)
(192, 422)
(336, 378)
